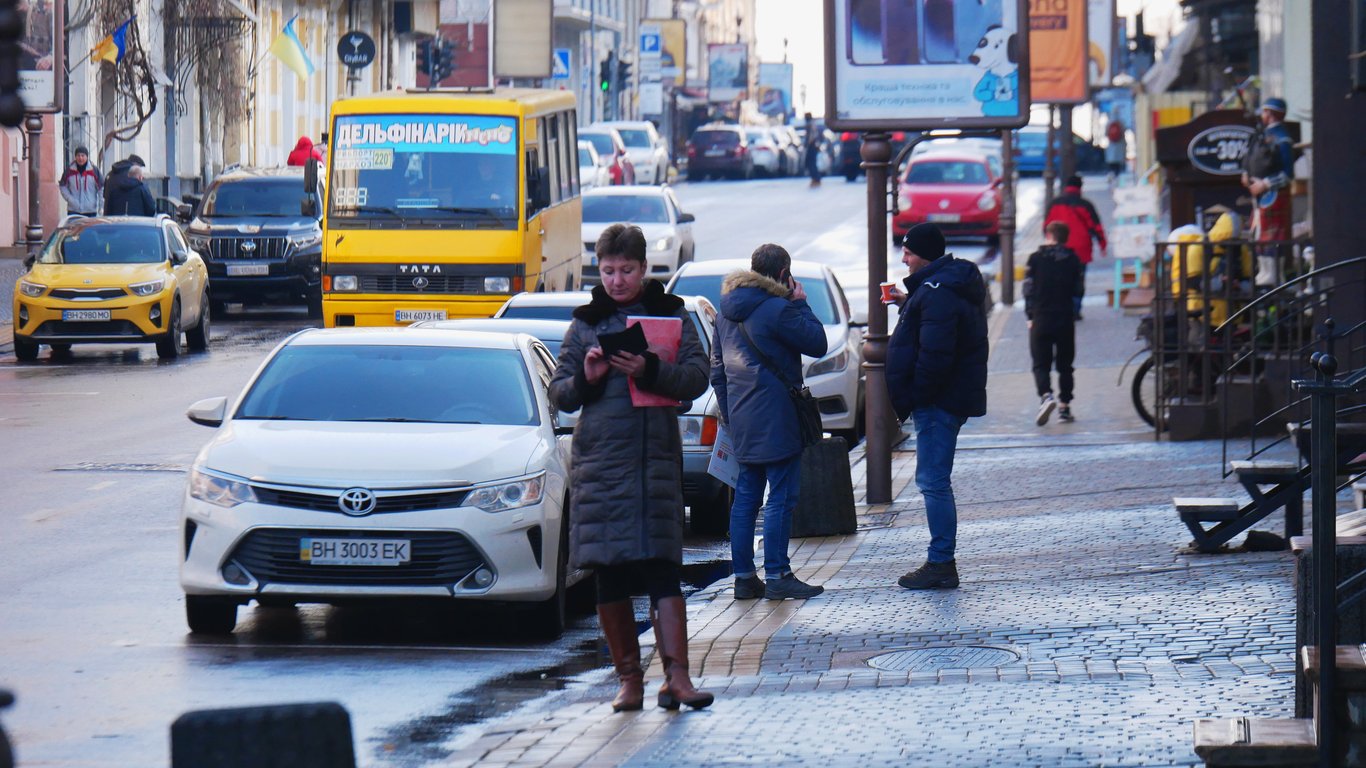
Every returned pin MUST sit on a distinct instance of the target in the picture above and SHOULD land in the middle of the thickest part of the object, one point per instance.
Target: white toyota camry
(372, 463)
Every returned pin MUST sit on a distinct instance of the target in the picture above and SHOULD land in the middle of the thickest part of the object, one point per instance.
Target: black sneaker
(1046, 406)
(790, 587)
(932, 576)
(749, 588)
(1065, 413)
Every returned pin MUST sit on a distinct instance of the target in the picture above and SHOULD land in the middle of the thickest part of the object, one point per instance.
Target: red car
(959, 191)
(611, 153)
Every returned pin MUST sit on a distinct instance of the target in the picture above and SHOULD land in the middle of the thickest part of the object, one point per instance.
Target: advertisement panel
(40, 55)
(1100, 23)
(775, 90)
(523, 38)
(673, 50)
(908, 64)
(1058, 42)
(727, 71)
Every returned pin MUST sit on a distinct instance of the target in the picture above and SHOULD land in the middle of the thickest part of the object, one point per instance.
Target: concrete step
(1351, 666)
(1205, 509)
(1252, 741)
(1351, 524)
(1264, 468)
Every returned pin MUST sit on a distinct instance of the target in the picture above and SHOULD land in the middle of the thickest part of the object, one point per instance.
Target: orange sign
(1058, 42)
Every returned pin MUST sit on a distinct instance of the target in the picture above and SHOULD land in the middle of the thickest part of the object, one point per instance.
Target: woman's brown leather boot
(618, 620)
(671, 640)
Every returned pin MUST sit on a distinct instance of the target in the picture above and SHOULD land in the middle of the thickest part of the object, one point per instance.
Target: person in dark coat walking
(626, 506)
(1053, 280)
(766, 307)
(937, 375)
(130, 196)
(117, 172)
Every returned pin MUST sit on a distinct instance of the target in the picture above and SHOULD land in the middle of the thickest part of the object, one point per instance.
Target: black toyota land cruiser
(258, 247)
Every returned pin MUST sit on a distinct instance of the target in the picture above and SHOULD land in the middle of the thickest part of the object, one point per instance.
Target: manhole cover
(943, 657)
(117, 466)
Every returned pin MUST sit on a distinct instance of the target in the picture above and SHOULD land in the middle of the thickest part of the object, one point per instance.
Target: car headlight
(31, 289)
(987, 201)
(497, 285)
(149, 288)
(219, 490)
(305, 239)
(345, 283)
(664, 243)
(836, 362)
(697, 430)
(505, 496)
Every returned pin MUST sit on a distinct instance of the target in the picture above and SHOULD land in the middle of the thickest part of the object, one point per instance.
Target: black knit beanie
(925, 241)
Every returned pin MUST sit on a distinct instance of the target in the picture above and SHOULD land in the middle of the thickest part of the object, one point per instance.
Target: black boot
(671, 640)
(932, 576)
(618, 621)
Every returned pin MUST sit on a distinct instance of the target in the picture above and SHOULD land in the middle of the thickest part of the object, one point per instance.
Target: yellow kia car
(113, 280)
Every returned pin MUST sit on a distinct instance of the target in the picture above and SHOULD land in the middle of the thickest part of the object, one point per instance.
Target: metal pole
(880, 420)
(591, 75)
(33, 233)
(172, 175)
(1049, 157)
(1007, 223)
(1069, 149)
(1323, 479)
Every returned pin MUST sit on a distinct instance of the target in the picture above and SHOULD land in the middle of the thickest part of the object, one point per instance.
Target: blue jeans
(936, 439)
(784, 481)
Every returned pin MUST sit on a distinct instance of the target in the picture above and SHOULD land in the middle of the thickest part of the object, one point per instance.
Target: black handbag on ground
(808, 415)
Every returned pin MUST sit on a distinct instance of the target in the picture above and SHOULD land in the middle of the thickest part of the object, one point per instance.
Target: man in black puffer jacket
(937, 375)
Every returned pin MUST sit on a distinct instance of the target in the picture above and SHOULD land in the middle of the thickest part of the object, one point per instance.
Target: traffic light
(443, 63)
(623, 75)
(11, 32)
(424, 57)
(605, 76)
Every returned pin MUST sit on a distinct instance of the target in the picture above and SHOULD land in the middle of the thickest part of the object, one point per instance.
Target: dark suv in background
(720, 150)
(258, 246)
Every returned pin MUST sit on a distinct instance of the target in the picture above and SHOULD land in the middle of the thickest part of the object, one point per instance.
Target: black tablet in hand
(630, 340)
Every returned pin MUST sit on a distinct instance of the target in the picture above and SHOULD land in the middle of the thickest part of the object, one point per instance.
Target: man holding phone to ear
(762, 331)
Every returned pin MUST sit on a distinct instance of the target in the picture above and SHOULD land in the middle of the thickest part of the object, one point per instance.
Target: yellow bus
(443, 204)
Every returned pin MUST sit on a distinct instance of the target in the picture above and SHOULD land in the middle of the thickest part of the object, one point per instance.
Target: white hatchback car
(437, 471)
(668, 230)
(645, 147)
(836, 380)
(592, 171)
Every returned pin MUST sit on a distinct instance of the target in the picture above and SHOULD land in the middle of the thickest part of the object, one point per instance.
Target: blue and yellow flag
(112, 47)
(290, 51)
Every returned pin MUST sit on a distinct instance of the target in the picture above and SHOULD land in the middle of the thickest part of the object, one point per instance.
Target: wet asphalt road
(92, 633)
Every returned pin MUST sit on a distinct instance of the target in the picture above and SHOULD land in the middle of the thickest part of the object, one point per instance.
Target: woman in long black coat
(626, 511)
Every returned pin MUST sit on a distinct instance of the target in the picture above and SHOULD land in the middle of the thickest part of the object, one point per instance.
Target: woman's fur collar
(656, 302)
(748, 278)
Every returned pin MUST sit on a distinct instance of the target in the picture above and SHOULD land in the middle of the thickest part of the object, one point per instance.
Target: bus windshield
(390, 169)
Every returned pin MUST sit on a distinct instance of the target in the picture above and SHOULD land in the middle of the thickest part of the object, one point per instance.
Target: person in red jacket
(303, 151)
(1083, 224)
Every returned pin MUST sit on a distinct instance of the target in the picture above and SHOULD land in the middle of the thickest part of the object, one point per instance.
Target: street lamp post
(1007, 220)
(879, 419)
(33, 233)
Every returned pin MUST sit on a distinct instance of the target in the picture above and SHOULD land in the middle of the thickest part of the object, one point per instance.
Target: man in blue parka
(937, 375)
(768, 305)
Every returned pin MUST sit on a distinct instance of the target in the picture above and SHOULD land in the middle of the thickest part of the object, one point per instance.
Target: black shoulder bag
(808, 415)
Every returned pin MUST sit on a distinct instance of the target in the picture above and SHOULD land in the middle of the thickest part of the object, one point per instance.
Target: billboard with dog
(924, 64)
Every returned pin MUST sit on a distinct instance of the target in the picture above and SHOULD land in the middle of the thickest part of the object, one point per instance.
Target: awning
(1162, 74)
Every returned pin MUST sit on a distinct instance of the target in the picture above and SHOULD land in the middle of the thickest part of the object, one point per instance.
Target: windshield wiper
(403, 420)
(373, 209)
(275, 418)
(498, 213)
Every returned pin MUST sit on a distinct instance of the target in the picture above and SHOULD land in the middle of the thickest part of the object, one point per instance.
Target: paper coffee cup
(887, 292)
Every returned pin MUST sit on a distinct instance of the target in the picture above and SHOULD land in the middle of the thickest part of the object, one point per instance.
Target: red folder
(664, 335)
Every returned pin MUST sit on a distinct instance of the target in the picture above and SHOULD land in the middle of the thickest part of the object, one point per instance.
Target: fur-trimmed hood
(657, 303)
(744, 290)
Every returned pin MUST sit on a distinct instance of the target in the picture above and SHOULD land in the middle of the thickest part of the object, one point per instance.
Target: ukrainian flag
(112, 47)
(290, 51)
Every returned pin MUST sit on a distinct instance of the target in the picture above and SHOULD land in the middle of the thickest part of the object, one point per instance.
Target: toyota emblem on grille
(248, 245)
(357, 501)
(420, 283)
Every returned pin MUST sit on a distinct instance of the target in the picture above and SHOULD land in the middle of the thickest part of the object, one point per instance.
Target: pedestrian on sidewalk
(130, 196)
(113, 179)
(813, 150)
(937, 376)
(763, 329)
(82, 186)
(1083, 224)
(1053, 280)
(626, 510)
(303, 152)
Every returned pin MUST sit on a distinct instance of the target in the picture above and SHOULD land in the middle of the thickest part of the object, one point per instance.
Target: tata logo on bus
(419, 269)
(1220, 150)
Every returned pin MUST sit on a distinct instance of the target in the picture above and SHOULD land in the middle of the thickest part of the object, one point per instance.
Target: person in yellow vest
(1204, 277)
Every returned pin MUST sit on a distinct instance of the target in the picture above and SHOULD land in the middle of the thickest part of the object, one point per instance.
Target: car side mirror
(686, 218)
(184, 212)
(208, 413)
(179, 257)
(563, 431)
(996, 182)
(29, 261)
